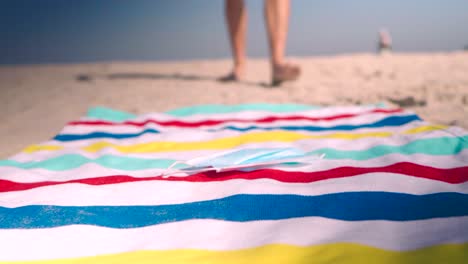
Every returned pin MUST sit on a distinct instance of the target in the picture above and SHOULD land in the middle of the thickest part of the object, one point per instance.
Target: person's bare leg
(236, 20)
(277, 19)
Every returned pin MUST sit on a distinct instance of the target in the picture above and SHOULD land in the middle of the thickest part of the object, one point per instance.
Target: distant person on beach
(276, 19)
(385, 41)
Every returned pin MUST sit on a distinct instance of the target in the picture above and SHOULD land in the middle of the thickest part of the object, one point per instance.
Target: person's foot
(283, 73)
(235, 76)
(231, 77)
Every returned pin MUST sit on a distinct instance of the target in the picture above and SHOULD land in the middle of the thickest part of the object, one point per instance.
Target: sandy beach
(38, 100)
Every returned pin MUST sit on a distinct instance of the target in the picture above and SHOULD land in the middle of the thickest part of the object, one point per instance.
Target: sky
(71, 31)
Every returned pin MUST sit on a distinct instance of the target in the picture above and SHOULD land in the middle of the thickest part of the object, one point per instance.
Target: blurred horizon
(55, 31)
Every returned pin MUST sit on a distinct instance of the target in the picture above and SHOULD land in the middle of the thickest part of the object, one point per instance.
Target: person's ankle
(277, 63)
(282, 65)
(239, 71)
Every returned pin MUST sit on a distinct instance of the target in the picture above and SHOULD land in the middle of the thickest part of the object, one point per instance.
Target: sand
(36, 101)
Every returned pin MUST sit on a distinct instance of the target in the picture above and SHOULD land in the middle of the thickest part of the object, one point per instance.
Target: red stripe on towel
(209, 122)
(452, 175)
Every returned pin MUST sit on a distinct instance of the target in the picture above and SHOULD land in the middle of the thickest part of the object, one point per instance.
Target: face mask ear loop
(309, 163)
(173, 164)
(169, 169)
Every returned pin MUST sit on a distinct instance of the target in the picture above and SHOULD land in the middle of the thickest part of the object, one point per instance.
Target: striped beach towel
(240, 184)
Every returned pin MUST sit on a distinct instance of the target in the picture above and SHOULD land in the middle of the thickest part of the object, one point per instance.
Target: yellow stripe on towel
(282, 253)
(221, 143)
(424, 129)
(229, 142)
(225, 143)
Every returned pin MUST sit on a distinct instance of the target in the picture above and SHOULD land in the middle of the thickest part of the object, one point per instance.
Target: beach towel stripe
(280, 253)
(181, 136)
(68, 165)
(211, 122)
(349, 206)
(112, 115)
(359, 119)
(453, 175)
(150, 131)
(389, 121)
(220, 109)
(175, 192)
(438, 137)
(221, 143)
(91, 240)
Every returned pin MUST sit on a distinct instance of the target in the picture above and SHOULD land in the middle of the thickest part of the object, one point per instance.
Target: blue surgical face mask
(244, 159)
